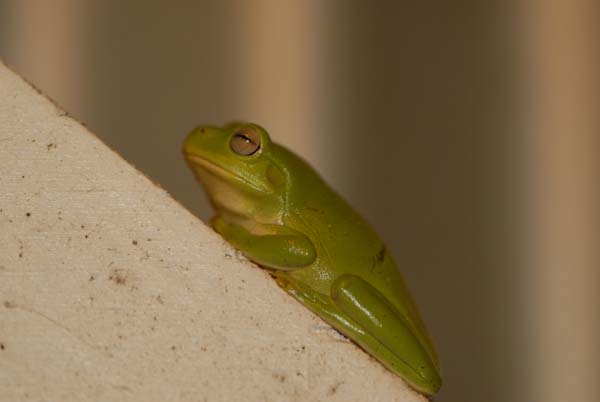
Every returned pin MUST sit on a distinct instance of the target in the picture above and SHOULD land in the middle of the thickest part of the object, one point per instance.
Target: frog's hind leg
(322, 306)
(400, 348)
(350, 311)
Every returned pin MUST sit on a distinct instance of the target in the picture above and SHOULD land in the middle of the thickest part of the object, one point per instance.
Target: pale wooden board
(111, 291)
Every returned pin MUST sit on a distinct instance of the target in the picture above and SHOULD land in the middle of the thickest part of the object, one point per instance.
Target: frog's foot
(389, 336)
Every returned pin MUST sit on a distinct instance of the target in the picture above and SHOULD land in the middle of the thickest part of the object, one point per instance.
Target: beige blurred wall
(45, 39)
(418, 113)
(562, 65)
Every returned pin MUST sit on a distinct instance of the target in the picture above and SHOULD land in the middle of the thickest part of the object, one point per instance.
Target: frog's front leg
(282, 248)
(401, 350)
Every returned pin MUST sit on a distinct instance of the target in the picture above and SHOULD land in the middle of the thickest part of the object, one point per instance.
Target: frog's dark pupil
(242, 136)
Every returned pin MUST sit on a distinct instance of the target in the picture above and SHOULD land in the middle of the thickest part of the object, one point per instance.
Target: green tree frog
(276, 209)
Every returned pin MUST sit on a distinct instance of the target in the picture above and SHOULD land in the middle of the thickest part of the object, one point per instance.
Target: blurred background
(466, 133)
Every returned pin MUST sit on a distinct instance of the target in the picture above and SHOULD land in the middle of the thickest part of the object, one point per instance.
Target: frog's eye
(245, 141)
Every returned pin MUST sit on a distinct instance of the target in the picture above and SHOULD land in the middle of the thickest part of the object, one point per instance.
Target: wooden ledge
(111, 291)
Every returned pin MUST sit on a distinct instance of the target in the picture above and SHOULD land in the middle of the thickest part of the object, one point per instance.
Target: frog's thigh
(321, 305)
(370, 309)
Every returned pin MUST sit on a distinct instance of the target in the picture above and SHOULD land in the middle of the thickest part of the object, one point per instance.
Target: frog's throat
(222, 172)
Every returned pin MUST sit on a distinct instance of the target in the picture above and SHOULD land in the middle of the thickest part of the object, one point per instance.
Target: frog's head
(235, 165)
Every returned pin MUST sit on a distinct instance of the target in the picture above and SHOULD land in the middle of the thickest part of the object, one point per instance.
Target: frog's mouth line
(221, 171)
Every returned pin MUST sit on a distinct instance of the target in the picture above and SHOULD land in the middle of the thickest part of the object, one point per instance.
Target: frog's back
(346, 244)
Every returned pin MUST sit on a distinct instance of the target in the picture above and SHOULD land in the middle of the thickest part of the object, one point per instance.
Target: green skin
(276, 209)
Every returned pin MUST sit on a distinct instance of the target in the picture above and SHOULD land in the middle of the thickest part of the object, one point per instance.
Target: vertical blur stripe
(564, 284)
(279, 66)
(45, 45)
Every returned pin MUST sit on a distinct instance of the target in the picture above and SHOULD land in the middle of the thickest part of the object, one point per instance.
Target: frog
(273, 207)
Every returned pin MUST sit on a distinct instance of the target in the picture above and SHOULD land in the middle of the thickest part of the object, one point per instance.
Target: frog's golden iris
(245, 141)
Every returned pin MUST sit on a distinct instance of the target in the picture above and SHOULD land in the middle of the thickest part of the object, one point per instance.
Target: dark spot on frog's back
(314, 209)
(381, 254)
(377, 259)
